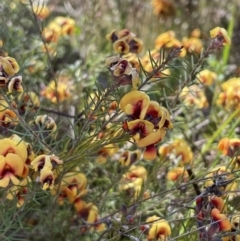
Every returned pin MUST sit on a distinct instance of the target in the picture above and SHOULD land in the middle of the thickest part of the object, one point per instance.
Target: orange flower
(229, 146)
(89, 213)
(133, 60)
(139, 128)
(112, 36)
(73, 186)
(163, 8)
(121, 47)
(15, 83)
(194, 95)
(177, 172)
(180, 149)
(67, 25)
(216, 32)
(9, 66)
(12, 162)
(126, 35)
(164, 38)
(7, 116)
(123, 72)
(133, 180)
(58, 91)
(192, 45)
(221, 219)
(41, 12)
(46, 124)
(149, 142)
(217, 202)
(45, 164)
(135, 103)
(159, 228)
(230, 96)
(28, 100)
(135, 45)
(206, 77)
(106, 152)
(39, 162)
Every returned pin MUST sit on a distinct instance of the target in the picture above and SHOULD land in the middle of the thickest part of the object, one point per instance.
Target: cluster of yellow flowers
(125, 42)
(58, 90)
(181, 155)
(156, 228)
(122, 71)
(133, 180)
(60, 26)
(147, 121)
(230, 95)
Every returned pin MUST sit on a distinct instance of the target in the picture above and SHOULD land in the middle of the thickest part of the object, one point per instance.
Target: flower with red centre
(127, 158)
(106, 152)
(15, 83)
(153, 113)
(164, 38)
(121, 46)
(133, 60)
(46, 124)
(149, 67)
(12, 162)
(133, 180)
(126, 35)
(46, 167)
(58, 91)
(19, 191)
(135, 104)
(206, 77)
(220, 32)
(192, 45)
(180, 149)
(67, 25)
(194, 96)
(51, 35)
(149, 143)
(138, 129)
(8, 66)
(46, 177)
(72, 186)
(13, 145)
(28, 100)
(123, 72)
(230, 97)
(7, 116)
(123, 67)
(165, 120)
(221, 219)
(30, 154)
(112, 36)
(39, 162)
(135, 45)
(229, 147)
(159, 228)
(177, 173)
(3, 81)
(136, 171)
(89, 213)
